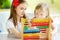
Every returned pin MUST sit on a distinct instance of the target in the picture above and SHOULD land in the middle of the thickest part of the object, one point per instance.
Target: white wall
(3, 18)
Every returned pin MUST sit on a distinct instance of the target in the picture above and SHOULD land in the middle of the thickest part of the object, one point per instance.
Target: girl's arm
(12, 29)
(15, 32)
(52, 27)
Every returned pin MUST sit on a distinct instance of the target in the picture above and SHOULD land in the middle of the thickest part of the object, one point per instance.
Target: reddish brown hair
(13, 13)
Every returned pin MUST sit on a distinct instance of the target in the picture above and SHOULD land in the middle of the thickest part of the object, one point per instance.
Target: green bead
(25, 27)
(42, 27)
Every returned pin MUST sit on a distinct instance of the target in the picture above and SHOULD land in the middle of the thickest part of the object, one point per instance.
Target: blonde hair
(41, 6)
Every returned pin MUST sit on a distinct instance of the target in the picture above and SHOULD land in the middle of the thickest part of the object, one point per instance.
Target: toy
(42, 31)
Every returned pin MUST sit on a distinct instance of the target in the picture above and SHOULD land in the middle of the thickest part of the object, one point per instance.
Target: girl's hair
(13, 13)
(41, 6)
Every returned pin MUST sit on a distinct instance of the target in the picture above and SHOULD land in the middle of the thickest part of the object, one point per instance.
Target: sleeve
(9, 24)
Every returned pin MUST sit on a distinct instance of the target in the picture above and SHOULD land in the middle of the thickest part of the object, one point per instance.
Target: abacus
(40, 31)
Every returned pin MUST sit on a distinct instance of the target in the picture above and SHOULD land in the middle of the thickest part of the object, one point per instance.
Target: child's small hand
(52, 27)
(29, 22)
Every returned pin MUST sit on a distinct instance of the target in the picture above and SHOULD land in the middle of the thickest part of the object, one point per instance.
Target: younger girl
(41, 11)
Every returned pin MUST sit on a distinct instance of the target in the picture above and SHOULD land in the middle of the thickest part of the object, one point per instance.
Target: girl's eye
(21, 8)
(25, 8)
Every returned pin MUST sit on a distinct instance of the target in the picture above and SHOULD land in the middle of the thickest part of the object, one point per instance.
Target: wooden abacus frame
(23, 21)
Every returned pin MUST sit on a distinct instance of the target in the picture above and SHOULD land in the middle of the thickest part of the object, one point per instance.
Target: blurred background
(4, 4)
(54, 8)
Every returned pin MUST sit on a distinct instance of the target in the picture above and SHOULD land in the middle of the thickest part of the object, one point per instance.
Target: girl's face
(41, 13)
(20, 9)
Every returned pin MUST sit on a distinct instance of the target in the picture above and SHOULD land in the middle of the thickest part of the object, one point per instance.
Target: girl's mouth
(41, 14)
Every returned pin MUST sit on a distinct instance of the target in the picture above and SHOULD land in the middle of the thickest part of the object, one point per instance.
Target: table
(7, 37)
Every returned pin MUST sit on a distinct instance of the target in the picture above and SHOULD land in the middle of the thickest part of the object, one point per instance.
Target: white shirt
(11, 25)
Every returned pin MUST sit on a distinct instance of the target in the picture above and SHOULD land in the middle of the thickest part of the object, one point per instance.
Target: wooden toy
(40, 29)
